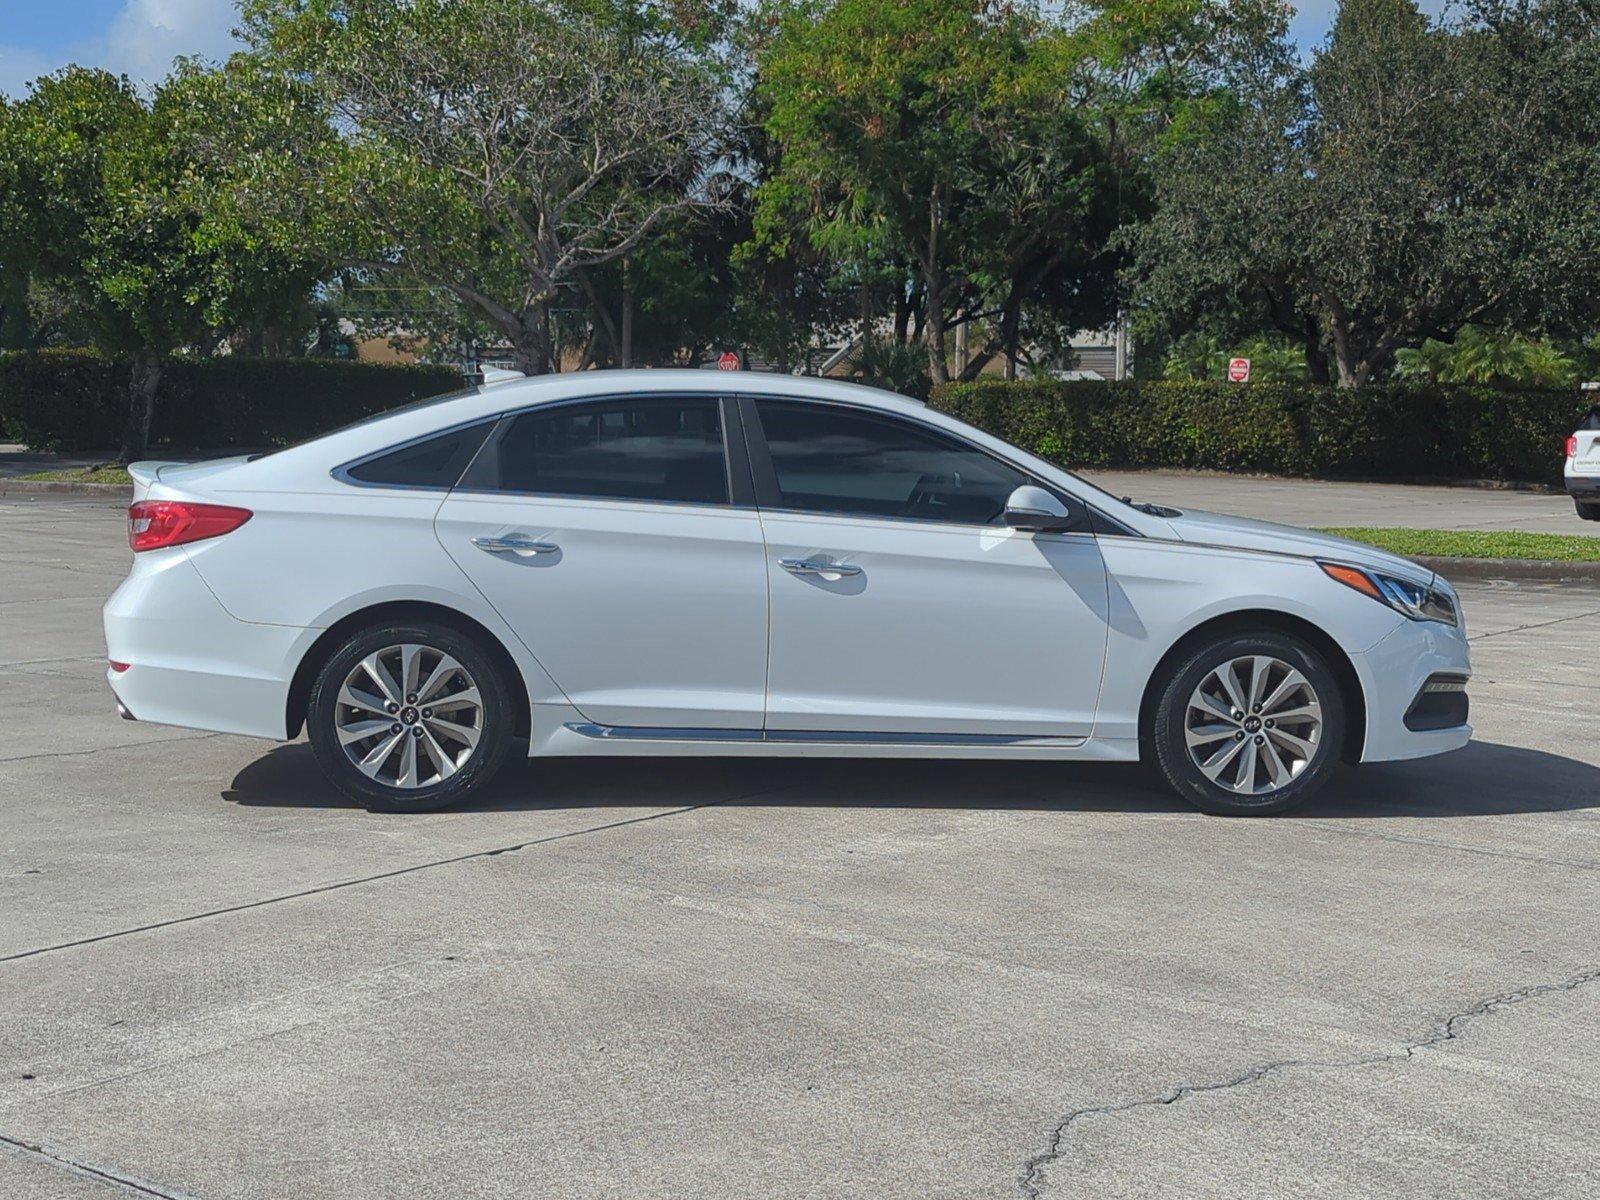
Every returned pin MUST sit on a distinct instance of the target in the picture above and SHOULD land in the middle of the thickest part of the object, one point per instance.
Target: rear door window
(666, 449)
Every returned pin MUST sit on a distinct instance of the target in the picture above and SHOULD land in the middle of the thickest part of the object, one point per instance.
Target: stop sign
(728, 360)
(1239, 370)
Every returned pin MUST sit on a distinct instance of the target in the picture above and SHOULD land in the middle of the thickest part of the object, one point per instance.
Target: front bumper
(190, 662)
(1394, 675)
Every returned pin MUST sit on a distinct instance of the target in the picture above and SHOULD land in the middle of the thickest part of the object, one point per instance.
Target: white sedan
(688, 562)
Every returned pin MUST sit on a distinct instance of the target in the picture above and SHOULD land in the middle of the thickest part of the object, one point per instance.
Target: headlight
(1417, 601)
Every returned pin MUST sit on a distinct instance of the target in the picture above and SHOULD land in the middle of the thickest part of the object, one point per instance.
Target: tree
(500, 150)
(1414, 179)
(120, 208)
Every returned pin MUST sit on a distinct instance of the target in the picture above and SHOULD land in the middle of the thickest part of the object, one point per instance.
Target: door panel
(644, 614)
(605, 534)
(943, 628)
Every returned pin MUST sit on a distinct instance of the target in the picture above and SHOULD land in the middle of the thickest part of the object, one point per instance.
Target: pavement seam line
(1483, 637)
(1448, 1029)
(198, 737)
(63, 1161)
(380, 876)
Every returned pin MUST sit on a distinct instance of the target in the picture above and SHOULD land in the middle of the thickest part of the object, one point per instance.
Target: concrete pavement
(1315, 502)
(733, 979)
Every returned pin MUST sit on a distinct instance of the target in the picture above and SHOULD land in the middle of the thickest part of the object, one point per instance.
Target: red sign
(728, 360)
(1239, 370)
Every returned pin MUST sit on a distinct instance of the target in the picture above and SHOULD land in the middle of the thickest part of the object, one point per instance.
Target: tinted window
(437, 462)
(667, 449)
(835, 460)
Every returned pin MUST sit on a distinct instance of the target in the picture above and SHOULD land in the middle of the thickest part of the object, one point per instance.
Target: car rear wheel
(1589, 510)
(1249, 724)
(410, 717)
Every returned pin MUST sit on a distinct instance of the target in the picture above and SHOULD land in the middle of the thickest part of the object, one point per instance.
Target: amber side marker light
(1350, 577)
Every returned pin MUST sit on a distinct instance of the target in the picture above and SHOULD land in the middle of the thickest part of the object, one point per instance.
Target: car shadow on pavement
(1483, 779)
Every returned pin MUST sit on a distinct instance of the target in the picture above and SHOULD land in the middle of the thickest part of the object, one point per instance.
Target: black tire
(493, 721)
(1588, 510)
(1169, 733)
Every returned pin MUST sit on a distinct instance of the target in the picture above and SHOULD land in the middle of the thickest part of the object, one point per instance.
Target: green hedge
(75, 400)
(1384, 431)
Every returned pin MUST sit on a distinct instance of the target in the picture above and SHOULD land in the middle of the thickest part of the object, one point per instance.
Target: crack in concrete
(381, 875)
(1447, 1029)
(61, 1160)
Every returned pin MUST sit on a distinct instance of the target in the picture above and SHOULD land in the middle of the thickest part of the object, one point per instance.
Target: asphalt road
(741, 979)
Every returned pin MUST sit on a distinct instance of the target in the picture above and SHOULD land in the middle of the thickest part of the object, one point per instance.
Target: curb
(1531, 569)
(46, 487)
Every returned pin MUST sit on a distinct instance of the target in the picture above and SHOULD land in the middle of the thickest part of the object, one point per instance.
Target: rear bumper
(190, 663)
(1585, 487)
(1394, 674)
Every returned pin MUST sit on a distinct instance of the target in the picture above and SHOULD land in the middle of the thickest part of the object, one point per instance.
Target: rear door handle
(812, 566)
(514, 543)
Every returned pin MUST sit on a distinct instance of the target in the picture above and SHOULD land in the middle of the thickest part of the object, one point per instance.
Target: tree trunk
(933, 290)
(625, 350)
(1010, 330)
(530, 341)
(143, 380)
(1344, 352)
(1316, 356)
(902, 314)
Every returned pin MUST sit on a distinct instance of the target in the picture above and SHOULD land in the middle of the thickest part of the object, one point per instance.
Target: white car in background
(1582, 469)
(693, 562)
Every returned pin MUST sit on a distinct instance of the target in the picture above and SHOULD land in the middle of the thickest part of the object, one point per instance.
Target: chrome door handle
(514, 543)
(812, 566)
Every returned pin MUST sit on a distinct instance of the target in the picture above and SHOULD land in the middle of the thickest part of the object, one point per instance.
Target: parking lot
(638, 978)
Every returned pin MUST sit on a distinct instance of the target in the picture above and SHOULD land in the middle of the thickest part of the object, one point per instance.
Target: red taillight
(1572, 446)
(118, 667)
(153, 524)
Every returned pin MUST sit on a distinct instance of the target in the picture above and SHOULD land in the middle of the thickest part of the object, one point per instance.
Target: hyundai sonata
(682, 563)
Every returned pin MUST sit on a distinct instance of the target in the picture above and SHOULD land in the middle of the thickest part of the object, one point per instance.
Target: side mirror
(1037, 511)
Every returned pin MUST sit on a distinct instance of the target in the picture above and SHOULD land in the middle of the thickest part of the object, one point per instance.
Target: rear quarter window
(434, 462)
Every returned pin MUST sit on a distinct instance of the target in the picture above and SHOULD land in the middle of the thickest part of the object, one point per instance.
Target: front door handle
(514, 543)
(813, 566)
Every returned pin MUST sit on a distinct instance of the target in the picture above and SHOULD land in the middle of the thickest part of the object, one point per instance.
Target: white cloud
(147, 35)
(140, 41)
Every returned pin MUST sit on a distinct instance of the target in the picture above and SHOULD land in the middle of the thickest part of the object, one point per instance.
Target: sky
(140, 38)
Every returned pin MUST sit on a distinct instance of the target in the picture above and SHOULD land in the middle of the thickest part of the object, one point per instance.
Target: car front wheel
(410, 717)
(1249, 724)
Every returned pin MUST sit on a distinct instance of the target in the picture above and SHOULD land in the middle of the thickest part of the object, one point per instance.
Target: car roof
(511, 394)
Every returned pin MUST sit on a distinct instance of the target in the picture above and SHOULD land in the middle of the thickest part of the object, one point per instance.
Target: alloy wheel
(1253, 725)
(409, 716)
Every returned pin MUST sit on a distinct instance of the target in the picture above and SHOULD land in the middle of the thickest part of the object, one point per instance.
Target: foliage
(1478, 543)
(117, 204)
(893, 367)
(500, 150)
(1412, 179)
(1480, 355)
(71, 399)
(1384, 431)
(934, 147)
(1274, 358)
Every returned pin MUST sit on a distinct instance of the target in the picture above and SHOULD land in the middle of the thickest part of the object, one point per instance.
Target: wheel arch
(318, 653)
(1257, 620)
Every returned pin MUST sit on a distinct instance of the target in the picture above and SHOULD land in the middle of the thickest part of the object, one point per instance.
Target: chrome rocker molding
(650, 733)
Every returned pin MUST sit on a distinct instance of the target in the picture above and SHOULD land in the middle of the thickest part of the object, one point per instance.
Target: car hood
(1243, 533)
